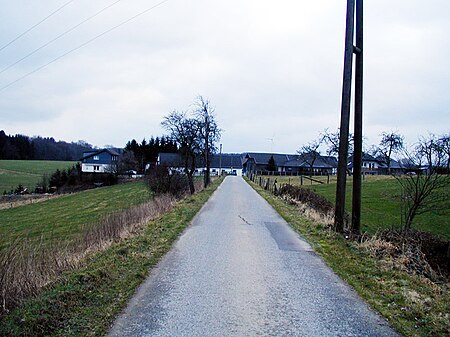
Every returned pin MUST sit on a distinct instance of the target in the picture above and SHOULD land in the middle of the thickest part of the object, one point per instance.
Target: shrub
(161, 181)
(307, 196)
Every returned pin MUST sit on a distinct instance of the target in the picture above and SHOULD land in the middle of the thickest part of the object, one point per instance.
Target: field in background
(61, 219)
(380, 203)
(27, 173)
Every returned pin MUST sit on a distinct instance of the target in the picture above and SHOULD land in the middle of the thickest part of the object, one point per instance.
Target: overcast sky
(272, 69)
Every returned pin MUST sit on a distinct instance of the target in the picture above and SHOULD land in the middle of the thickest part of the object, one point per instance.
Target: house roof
(305, 161)
(229, 160)
(170, 159)
(365, 157)
(394, 164)
(263, 158)
(111, 151)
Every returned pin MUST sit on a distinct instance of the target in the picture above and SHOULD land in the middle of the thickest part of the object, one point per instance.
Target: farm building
(100, 161)
(226, 163)
(290, 163)
(372, 165)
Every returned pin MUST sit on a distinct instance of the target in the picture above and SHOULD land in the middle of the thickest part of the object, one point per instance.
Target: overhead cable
(59, 36)
(84, 44)
(37, 24)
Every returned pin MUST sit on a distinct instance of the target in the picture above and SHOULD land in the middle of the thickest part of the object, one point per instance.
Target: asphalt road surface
(240, 270)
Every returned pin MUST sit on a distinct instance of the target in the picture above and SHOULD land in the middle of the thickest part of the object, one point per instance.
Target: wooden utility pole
(350, 49)
(345, 119)
(357, 155)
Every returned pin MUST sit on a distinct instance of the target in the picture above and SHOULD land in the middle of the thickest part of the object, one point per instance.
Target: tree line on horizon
(21, 147)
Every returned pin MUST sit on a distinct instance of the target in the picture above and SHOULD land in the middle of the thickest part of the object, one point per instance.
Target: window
(96, 158)
(96, 168)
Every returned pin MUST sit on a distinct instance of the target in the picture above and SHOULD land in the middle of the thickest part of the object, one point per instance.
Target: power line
(37, 24)
(83, 44)
(59, 36)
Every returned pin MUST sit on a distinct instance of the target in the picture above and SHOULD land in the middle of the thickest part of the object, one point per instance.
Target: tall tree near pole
(345, 118)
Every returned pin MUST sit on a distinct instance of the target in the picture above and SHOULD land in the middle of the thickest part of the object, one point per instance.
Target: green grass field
(59, 219)
(380, 204)
(85, 301)
(413, 305)
(27, 173)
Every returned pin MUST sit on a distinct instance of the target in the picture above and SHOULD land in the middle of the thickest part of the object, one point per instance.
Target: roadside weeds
(84, 301)
(412, 303)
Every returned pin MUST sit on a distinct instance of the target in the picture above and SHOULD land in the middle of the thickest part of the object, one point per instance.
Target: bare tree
(209, 133)
(391, 142)
(331, 139)
(423, 192)
(444, 145)
(310, 152)
(184, 130)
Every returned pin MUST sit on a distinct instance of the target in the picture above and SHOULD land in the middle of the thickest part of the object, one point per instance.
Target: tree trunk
(191, 183)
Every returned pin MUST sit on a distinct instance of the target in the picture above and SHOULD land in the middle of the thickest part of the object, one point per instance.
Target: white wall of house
(95, 168)
(216, 171)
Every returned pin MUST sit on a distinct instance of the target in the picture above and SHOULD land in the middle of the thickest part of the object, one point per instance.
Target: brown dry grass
(24, 271)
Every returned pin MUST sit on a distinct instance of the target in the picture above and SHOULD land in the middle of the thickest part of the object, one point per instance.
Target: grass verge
(413, 305)
(86, 301)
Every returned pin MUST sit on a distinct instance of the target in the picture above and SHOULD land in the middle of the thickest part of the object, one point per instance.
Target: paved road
(239, 270)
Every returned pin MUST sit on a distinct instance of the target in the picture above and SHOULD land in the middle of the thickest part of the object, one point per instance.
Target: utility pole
(350, 49)
(357, 155)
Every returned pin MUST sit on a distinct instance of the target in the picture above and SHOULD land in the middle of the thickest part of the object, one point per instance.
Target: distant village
(103, 161)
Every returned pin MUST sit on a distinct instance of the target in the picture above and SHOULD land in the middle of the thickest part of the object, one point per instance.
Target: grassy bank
(413, 305)
(62, 219)
(380, 204)
(27, 173)
(85, 302)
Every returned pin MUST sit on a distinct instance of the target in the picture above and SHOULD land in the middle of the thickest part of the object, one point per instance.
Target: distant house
(396, 167)
(100, 161)
(309, 164)
(371, 165)
(226, 163)
(290, 163)
(257, 162)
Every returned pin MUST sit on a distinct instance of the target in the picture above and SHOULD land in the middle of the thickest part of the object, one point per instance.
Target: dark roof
(394, 164)
(365, 157)
(111, 151)
(229, 160)
(263, 158)
(170, 159)
(305, 161)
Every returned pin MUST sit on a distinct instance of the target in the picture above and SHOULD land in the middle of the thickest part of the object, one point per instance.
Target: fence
(276, 181)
